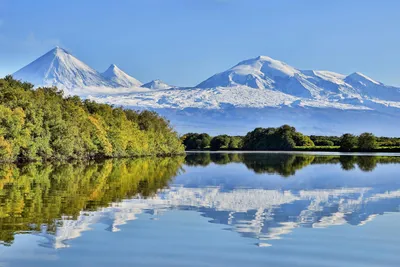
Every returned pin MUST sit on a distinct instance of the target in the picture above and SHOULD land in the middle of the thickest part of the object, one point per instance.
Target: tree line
(288, 138)
(43, 124)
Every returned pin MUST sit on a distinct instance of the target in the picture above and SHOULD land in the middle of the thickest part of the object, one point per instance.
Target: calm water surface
(232, 209)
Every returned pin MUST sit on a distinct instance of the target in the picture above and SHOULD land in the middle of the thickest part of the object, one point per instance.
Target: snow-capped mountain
(58, 67)
(311, 100)
(157, 85)
(266, 73)
(266, 92)
(117, 76)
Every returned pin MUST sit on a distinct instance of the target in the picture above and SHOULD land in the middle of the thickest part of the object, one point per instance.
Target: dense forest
(288, 138)
(43, 124)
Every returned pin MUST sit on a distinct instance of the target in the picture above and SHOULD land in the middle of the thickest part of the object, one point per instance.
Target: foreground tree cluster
(281, 138)
(288, 138)
(43, 124)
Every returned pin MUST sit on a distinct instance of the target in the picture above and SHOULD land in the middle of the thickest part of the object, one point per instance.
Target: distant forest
(44, 124)
(289, 139)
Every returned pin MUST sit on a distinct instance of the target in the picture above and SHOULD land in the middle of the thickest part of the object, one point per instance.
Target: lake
(205, 209)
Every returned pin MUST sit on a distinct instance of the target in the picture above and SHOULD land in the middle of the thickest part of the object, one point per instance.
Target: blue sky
(185, 41)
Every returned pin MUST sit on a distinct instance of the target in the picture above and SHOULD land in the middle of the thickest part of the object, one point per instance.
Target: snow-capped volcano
(58, 67)
(266, 73)
(157, 85)
(116, 75)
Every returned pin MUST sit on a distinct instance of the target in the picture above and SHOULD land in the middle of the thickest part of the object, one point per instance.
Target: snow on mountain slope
(368, 87)
(266, 73)
(117, 76)
(157, 85)
(217, 98)
(261, 73)
(58, 67)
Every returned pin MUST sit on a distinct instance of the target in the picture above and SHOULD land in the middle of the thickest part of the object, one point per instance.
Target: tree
(220, 142)
(367, 142)
(281, 138)
(348, 142)
(235, 142)
(302, 140)
(194, 141)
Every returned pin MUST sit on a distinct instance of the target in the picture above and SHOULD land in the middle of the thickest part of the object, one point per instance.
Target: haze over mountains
(273, 91)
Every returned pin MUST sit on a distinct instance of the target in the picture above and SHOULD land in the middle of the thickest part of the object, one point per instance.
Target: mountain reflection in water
(61, 201)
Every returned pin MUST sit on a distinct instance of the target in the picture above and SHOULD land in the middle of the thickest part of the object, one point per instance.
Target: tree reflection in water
(287, 164)
(37, 194)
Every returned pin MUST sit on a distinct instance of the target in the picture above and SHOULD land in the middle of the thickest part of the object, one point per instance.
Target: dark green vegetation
(287, 138)
(42, 124)
(41, 193)
(287, 164)
(194, 141)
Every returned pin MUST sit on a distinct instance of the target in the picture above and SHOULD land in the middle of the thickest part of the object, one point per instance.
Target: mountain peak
(118, 76)
(361, 78)
(157, 85)
(259, 72)
(60, 68)
(265, 58)
(59, 50)
(112, 68)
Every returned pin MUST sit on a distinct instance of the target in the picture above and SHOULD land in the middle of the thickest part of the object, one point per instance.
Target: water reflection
(45, 198)
(59, 202)
(287, 164)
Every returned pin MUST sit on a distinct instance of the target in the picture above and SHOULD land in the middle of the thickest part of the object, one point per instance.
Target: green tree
(348, 142)
(194, 141)
(220, 142)
(281, 138)
(235, 142)
(367, 142)
(302, 140)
